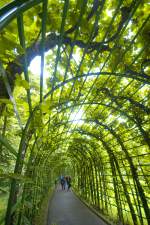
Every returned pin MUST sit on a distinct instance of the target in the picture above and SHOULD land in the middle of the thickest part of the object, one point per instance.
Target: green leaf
(21, 83)
(6, 101)
(25, 84)
(16, 205)
(26, 220)
(5, 142)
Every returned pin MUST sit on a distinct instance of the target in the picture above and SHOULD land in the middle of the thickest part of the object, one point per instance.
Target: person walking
(68, 180)
(55, 183)
(62, 182)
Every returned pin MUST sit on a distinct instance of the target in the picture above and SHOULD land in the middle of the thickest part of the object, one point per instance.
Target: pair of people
(65, 180)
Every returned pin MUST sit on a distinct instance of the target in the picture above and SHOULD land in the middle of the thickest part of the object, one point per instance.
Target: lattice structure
(90, 118)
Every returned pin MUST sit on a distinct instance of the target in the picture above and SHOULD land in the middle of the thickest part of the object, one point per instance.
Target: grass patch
(3, 205)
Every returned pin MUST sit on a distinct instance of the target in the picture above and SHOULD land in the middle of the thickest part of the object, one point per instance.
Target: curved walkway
(66, 209)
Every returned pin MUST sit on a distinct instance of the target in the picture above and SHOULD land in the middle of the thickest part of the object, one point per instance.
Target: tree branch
(96, 4)
(16, 67)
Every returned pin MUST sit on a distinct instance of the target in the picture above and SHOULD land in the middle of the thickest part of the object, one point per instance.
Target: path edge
(50, 197)
(92, 209)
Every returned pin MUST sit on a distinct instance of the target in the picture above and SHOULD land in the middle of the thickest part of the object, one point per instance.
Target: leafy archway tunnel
(74, 99)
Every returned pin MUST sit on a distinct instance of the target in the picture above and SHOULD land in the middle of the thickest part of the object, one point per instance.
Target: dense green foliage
(86, 113)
